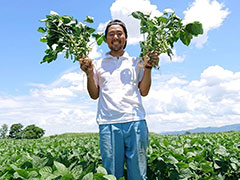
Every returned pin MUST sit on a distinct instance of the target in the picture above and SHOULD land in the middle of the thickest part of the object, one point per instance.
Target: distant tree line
(16, 131)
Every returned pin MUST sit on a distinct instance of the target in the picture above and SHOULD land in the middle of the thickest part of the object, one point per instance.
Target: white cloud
(58, 92)
(210, 13)
(176, 80)
(95, 52)
(102, 26)
(122, 9)
(213, 100)
(164, 58)
(62, 106)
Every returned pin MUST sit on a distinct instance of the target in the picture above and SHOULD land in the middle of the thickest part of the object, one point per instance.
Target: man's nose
(115, 36)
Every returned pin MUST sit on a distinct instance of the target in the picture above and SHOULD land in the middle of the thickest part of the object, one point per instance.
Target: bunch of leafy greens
(65, 34)
(160, 33)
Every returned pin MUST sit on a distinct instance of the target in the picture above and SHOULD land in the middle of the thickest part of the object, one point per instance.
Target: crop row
(195, 156)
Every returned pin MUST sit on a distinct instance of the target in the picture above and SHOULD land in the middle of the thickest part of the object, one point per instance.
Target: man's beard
(117, 48)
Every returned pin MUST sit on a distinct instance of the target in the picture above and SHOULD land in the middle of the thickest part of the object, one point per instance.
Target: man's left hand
(154, 59)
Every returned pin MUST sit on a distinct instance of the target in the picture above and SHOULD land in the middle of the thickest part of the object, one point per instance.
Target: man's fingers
(83, 61)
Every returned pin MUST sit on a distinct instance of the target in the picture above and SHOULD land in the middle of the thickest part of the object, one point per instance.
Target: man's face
(116, 38)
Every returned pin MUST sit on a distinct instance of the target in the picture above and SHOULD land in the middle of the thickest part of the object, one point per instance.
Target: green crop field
(77, 156)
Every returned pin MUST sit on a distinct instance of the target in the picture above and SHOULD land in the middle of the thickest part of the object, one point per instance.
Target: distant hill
(233, 127)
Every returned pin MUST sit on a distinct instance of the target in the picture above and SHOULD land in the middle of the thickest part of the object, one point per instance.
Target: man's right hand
(86, 65)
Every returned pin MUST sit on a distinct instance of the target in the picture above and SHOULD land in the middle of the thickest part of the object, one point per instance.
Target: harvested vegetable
(65, 34)
(160, 34)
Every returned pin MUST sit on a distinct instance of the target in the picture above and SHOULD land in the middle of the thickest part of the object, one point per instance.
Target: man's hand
(153, 60)
(86, 65)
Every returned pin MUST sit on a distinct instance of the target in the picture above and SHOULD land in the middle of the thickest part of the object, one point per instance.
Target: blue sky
(200, 87)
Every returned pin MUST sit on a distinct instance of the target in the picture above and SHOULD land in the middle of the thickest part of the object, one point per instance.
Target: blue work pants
(125, 141)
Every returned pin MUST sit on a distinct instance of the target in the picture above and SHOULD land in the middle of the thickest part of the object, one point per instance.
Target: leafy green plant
(65, 34)
(160, 33)
(194, 156)
(3, 131)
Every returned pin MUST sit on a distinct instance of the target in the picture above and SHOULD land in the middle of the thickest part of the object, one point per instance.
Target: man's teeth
(116, 42)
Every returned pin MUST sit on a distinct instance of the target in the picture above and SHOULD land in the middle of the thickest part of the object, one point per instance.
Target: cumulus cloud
(179, 104)
(210, 13)
(95, 52)
(213, 100)
(62, 106)
(122, 9)
(164, 58)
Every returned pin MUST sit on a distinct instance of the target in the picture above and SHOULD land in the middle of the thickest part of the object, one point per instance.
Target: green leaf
(143, 29)
(151, 25)
(172, 159)
(221, 150)
(76, 172)
(43, 20)
(44, 39)
(48, 58)
(206, 167)
(67, 54)
(197, 28)
(138, 15)
(190, 154)
(33, 174)
(98, 176)
(67, 177)
(88, 176)
(89, 19)
(169, 53)
(72, 23)
(186, 37)
(101, 170)
(216, 166)
(185, 173)
(41, 29)
(110, 177)
(161, 19)
(45, 171)
(99, 38)
(90, 30)
(38, 162)
(193, 165)
(66, 19)
(194, 28)
(23, 173)
(182, 165)
(165, 142)
(234, 166)
(61, 168)
(4, 176)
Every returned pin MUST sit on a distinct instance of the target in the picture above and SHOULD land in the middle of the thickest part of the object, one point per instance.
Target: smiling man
(118, 83)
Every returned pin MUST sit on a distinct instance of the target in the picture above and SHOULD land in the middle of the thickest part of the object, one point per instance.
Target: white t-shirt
(119, 97)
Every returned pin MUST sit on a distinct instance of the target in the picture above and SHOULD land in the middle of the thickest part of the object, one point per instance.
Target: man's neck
(116, 54)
